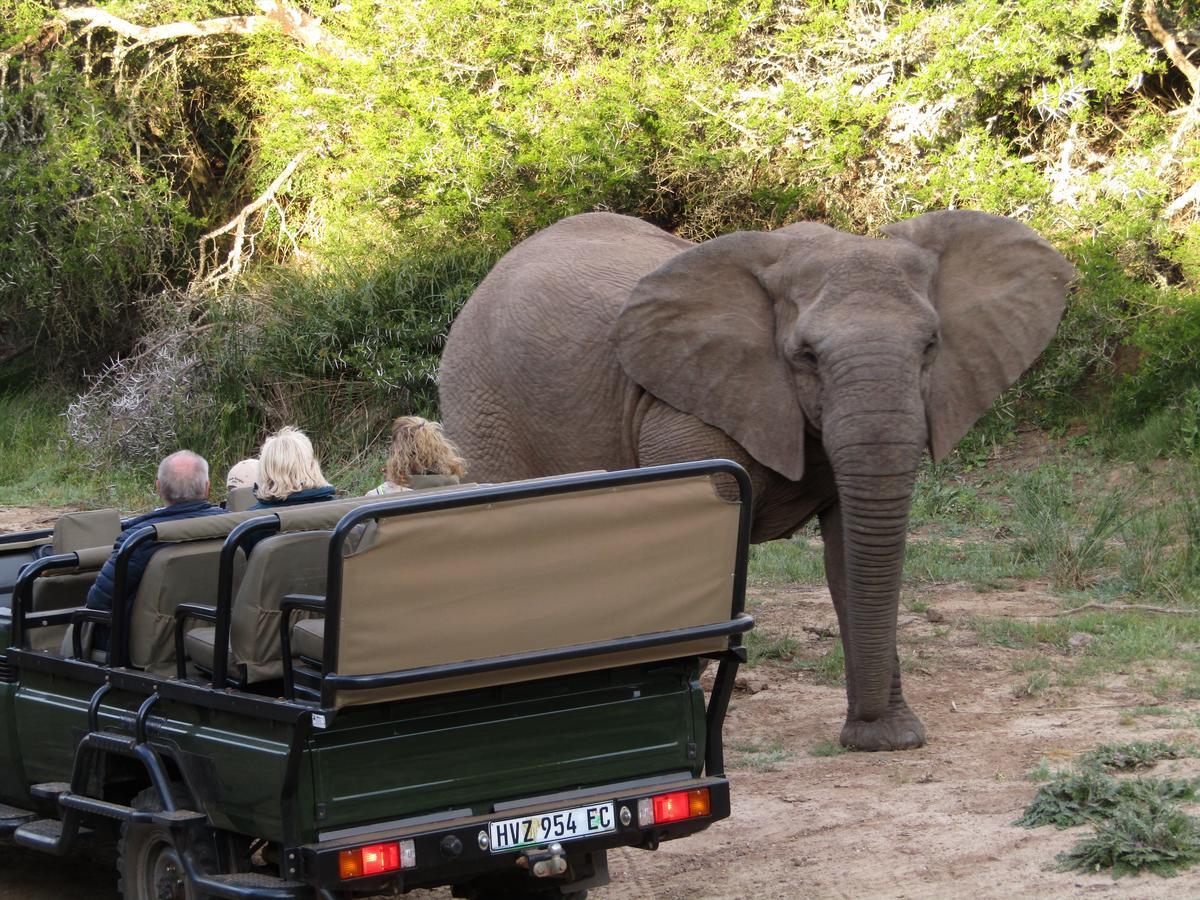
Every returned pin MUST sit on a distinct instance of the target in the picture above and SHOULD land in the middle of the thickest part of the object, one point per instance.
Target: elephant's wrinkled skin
(823, 362)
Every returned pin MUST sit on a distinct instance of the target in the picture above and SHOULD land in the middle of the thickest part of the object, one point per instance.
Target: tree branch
(233, 262)
(1171, 46)
(1183, 201)
(295, 23)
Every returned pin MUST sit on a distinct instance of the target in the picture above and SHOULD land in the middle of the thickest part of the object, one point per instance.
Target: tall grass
(38, 466)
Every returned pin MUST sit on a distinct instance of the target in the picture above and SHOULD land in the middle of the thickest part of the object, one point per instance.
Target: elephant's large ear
(699, 333)
(999, 292)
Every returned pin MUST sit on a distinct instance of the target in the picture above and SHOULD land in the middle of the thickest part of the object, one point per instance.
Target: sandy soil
(935, 822)
(28, 518)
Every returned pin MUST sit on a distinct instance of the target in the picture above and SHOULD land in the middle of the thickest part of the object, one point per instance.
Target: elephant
(824, 362)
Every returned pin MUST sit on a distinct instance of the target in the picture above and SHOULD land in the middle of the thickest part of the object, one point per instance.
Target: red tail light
(674, 807)
(376, 859)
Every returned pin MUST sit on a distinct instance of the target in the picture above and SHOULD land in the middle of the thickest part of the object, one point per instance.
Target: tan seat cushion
(57, 592)
(199, 644)
(308, 638)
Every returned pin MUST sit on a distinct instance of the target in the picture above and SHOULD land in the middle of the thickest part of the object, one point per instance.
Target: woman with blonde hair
(421, 456)
(289, 473)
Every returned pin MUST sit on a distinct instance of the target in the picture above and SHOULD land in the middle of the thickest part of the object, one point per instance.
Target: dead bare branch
(233, 261)
(1172, 46)
(1183, 201)
(305, 29)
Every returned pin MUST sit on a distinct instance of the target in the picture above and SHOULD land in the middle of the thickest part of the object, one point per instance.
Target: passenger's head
(182, 476)
(420, 447)
(243, 474)
(286, 464)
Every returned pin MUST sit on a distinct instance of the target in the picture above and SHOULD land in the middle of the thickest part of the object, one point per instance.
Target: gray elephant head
(885, 347)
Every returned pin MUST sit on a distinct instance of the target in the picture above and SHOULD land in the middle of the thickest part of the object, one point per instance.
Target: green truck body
(263, 790)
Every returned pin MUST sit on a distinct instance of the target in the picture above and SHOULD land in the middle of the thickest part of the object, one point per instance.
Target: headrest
(92, 528)
(240, 499)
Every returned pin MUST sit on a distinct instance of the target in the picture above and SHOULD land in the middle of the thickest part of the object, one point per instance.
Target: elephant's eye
(931, 346)
(808, 356)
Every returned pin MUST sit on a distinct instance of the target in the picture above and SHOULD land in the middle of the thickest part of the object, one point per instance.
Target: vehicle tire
(148, 861)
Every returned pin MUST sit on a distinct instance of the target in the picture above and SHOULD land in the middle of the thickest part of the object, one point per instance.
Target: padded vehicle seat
(514, 576)
(308, 638)
(90, 528)
(176, 573)
(64, 590)
(240, 499)
(289, 563)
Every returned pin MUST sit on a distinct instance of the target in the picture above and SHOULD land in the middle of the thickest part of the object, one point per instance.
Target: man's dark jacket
(101, 594)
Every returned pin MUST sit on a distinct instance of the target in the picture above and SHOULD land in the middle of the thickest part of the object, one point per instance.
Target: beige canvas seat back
(82, 530)
(521, 575)
(176, 573)
(240, 499)
(64, 589)
(292, 563)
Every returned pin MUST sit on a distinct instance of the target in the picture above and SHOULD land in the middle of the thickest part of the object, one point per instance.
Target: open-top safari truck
(486, 687)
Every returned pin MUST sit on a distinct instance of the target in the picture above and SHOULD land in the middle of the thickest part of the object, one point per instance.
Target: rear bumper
(450, 851)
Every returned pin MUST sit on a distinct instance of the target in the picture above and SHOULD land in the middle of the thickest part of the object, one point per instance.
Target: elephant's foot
(898, 729)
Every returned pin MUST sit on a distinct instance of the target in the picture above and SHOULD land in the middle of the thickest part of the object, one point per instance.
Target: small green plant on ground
(1090, 795)
(828, 668)
(1034, 685)
(1139, 827)
(1134, 755)
(826, 748)
(761, 757)
(1040, 772)
(762, 645)
(1155, 836)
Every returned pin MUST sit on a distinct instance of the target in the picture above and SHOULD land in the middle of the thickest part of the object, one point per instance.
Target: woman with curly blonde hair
(421, 456)
(289, 472)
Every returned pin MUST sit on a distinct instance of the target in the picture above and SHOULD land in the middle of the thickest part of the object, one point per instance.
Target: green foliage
(1155, 836)
(36, 469)
(761, 757)
(1134, 755)
(1090, 796)
(364, 343)
(1069, 553)
(435, 133)
(762, 646)
(798, 560)
(828, 668)
(1139, 826)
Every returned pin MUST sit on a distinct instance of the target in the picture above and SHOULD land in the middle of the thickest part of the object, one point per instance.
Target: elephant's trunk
(875, 445)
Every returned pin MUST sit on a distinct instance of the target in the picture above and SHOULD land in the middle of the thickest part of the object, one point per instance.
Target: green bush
(433, 133)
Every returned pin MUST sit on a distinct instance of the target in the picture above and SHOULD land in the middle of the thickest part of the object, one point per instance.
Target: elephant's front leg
(899, 728)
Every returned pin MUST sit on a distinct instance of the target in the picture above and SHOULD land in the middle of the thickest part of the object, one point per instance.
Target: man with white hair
(182, 484)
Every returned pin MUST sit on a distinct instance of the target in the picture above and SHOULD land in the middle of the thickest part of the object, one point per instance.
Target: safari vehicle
(486, 687)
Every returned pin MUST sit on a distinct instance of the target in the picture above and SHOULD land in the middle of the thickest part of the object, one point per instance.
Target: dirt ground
(935, 822)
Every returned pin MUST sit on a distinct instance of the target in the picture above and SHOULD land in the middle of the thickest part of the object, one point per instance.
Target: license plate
(564, 825)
